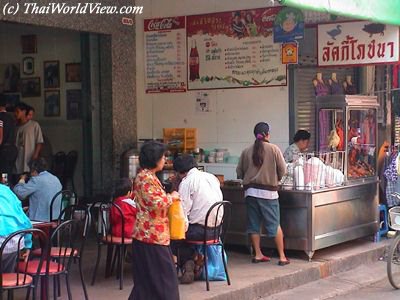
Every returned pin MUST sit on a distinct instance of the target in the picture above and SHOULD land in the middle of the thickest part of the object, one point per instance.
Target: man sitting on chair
(198, 191)
(41, 188)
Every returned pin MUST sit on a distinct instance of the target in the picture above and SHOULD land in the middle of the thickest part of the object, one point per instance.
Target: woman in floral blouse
(154, 272)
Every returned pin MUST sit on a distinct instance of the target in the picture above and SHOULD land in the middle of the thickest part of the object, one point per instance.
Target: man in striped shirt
(8, 150)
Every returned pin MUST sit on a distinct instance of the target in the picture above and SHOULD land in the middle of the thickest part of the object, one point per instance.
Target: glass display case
(348, 123)
(329, 196)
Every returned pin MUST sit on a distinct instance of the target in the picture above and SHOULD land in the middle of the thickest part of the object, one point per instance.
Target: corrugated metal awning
(384, 11)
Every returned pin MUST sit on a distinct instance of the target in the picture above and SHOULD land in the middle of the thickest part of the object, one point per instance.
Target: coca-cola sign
(164, 24)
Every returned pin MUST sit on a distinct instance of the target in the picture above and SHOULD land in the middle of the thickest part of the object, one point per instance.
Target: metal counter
(313, 220)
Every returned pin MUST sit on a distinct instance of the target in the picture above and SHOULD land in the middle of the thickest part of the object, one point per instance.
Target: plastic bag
(215, 265)
(176, 218)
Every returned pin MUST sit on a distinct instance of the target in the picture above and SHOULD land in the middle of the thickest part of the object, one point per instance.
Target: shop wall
(118, 67)
(63, 46)
(234, 112)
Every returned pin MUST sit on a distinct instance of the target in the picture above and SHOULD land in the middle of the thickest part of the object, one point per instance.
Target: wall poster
(357, 43)
(165, 55)
(234, 49)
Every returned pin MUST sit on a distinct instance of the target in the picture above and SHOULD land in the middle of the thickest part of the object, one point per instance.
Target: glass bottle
(194, 66)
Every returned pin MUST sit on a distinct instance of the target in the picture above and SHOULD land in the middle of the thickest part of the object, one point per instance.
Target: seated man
(12, 219)
(122, 198)
(198, 191)
(40, 189)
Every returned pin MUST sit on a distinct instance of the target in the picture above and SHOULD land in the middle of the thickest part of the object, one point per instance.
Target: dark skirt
(154, 273)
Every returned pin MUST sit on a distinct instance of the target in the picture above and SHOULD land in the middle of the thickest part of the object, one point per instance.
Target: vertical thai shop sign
(165, 54)
(234, 49)
(357, 43)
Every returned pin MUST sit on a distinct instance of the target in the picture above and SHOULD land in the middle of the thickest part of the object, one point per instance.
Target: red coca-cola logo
(162, 24)
(268, 17)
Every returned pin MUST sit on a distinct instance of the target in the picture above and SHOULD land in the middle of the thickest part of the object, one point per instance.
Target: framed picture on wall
(74, 104)
(51, 74)
(28, 66)
(73, 72)
(30, 87)
(10, 77)
(52, 103)
(29, 43)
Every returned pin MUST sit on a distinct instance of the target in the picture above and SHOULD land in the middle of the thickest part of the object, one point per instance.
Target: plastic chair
(64, 240)
(104, 236)
(80, 213)
(20, 277)
(218, 234)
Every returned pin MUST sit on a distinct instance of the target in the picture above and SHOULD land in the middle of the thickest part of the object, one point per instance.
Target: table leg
(44, 287)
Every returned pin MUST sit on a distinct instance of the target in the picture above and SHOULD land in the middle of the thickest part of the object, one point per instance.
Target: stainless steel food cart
(317, 217)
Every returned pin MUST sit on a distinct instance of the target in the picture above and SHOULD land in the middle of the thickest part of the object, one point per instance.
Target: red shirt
(128, 209)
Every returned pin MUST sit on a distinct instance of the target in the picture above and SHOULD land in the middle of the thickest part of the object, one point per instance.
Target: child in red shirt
(122, 197)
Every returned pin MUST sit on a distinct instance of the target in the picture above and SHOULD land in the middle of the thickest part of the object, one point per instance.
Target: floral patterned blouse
(152, 203)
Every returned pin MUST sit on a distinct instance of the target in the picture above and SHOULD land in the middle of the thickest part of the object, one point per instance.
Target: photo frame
(30, 87)
(10, 77)
(52, 103)
(28, 65)
(29, 43)
(73, 72)
(51, 74)
(74, 104)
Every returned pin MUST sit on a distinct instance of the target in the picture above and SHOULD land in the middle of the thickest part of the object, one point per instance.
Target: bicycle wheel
(393, 263)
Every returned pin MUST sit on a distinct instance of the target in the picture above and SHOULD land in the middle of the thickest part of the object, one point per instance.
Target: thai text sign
(234, 49)
(357, 43)
(165, 54)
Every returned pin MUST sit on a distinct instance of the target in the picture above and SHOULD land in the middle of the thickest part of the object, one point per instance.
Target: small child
(122, 197)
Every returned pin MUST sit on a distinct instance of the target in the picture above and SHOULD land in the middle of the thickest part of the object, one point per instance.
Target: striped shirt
(1, 123)
(12, 245)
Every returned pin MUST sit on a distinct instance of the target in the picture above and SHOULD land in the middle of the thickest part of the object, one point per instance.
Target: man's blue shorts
(266, 210)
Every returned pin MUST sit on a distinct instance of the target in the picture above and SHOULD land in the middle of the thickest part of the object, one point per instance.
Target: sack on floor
(216, 271)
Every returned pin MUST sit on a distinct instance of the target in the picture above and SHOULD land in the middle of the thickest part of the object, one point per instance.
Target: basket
(394, 217)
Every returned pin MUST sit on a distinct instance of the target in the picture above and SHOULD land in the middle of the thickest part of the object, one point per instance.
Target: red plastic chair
(217, 234)
(103, 229)
(10, 281)
(59, 257)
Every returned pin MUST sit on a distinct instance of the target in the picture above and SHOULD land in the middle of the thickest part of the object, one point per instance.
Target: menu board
(234, 49)
(165, 55)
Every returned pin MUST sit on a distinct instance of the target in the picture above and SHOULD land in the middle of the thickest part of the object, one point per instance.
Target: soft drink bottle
(194, 62)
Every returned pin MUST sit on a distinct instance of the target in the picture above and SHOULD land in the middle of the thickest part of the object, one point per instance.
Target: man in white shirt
(198, 192)
(29, 139)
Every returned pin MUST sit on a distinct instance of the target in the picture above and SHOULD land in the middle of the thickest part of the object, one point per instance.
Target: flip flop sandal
(259, 260)
(284, 262)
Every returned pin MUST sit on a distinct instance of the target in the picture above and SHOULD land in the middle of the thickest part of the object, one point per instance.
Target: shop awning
(381, 11)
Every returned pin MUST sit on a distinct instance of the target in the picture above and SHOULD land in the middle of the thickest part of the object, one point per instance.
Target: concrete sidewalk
(253, 281)
(249, 281)
(341, 284)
